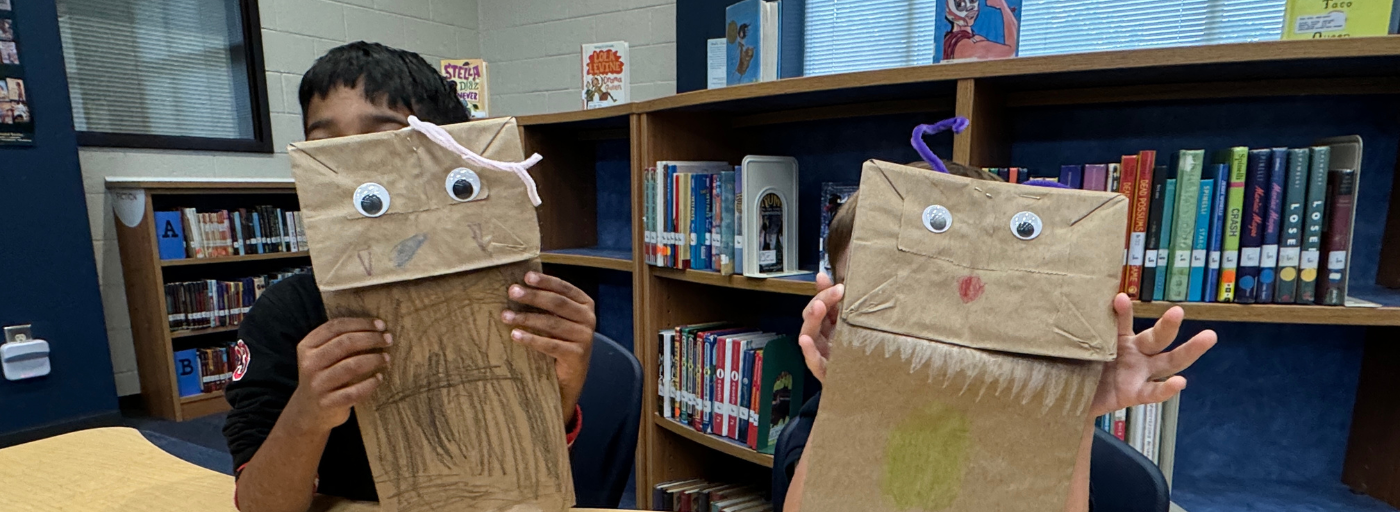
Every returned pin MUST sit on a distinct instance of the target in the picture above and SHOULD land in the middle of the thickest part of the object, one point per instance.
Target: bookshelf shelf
(724, 446)
(796, 285)
(1274, 313)
(201, 397)
(234, 259)
(201, 332)
(595, 257)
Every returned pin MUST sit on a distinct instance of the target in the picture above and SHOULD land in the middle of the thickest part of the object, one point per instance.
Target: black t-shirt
(789, 451)
(284, 314)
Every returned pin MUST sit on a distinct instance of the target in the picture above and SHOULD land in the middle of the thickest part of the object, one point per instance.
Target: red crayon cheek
(969, 288)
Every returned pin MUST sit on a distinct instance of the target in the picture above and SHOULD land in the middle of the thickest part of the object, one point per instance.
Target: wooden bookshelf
(235, 259)
(146, 274)
(728, 123)
(610, 259)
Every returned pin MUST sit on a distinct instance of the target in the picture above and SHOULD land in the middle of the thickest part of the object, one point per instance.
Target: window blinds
(1051, 27)
(157, 67)
(858, 35)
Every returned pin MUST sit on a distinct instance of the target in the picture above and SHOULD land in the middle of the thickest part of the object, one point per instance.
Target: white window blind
(157, 67)
(1054, 26)
(857, 35)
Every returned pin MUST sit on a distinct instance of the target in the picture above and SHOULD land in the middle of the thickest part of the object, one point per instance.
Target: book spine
(663, 387)
(731, 389)
(1188, 186)
(1120, 424)
(1199, 242)
(1268, 250)
(706, 224)
(1154, 230)
(1150, 425)
(1136, 177)
(236, 226)
(1217, 235)
(754, 399)
(1072, 176)
(1135, 427)
(687, 219)
(1256, 199)
(682, 349)
(721, 381)
(649, 233)
(1115, 177)
(1164, 260)
(1131, 194)
(1234, 215)
(1341, 189)
(726, 229)
(739, 220)
(708, 381)
(1308, 263)
(1096, 177)
(1291, 235)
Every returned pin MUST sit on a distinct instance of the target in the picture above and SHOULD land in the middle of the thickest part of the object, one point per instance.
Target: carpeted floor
(201, 442)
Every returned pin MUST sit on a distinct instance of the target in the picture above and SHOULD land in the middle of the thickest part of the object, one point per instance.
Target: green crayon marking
(925, 457)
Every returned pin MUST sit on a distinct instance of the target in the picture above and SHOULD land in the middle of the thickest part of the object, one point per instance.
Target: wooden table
(117, 469)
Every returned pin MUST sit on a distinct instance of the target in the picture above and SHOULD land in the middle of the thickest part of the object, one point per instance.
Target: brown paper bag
(466, 419)
(969, 346)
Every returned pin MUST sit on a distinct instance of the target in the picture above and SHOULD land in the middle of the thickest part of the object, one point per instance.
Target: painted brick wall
(533, 46)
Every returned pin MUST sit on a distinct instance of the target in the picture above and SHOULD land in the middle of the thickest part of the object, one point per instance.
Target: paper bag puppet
(969, 344)
(425, 228)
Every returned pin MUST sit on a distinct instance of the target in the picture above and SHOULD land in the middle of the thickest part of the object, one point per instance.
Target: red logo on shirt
(241, 356)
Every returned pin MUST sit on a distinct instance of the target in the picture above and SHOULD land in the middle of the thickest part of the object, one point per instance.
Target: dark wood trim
(261, 142)
(1373, 451)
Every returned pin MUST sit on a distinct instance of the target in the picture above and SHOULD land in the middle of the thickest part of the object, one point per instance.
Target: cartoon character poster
(977, 30)
(469, 76)
(606, 75)
(16, 120)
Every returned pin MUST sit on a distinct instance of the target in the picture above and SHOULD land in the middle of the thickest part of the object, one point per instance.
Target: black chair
(1123, 480)
(606, 448)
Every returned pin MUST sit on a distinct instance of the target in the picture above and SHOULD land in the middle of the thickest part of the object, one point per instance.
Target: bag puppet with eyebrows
(425, 228)
(976, 321)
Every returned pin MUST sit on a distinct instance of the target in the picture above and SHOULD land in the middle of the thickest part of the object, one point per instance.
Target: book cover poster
(606, 70)
(16, 121)
(469, 75)
(976, 30)
(833, 196)
(1317, 19)
(741, 36)
(770, 216)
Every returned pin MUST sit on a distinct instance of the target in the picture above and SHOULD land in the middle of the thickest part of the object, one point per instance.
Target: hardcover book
(1312, 231)
(1154, 230)
(470, 78)
(171, 232)
(1256, 201)
(1311, 19)
(1188, 188)
(1217, 227)
(1200, 241)
(1164, 240)
(1341, 190)
(1238, 159)
(606, 75)
(1291, 236)
(1268, 249)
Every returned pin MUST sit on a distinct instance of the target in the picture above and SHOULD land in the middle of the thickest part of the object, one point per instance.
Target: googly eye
(1026, 225)
(462, 184)
(371, 200)
(937, 218)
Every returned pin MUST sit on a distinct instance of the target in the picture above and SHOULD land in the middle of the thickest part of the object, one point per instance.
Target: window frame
(260, 142)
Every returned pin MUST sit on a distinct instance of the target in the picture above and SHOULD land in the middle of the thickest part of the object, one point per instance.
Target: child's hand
(818, 319)
(564, 331)
(1142, 373)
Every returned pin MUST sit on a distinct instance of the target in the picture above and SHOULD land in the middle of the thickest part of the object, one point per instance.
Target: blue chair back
(606, 448)
(1123, 480)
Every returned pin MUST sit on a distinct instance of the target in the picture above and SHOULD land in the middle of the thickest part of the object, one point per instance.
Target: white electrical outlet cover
(25, 359)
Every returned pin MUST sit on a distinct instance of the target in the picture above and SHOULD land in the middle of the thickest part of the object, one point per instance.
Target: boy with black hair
(1142, 373)
(291, 430)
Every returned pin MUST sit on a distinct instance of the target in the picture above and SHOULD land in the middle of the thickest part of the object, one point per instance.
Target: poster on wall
(976, 30)
(16, 120)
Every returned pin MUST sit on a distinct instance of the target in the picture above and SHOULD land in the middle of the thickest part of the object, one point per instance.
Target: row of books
(695, 216)
(187, 233)
(697, 495)
(213, 303)
(741, 384)
(1254, 226)
(1150, 429)
(204, 370)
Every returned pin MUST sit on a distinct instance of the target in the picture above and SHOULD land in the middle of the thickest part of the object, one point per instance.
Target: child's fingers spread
(1156, 392)
(556, 285)
(1163, 332)
(553, 303)
(548, 325)
(547, 346)
(1182, 357)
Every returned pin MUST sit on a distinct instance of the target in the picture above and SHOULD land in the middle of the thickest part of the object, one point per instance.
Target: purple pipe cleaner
(957, 124)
